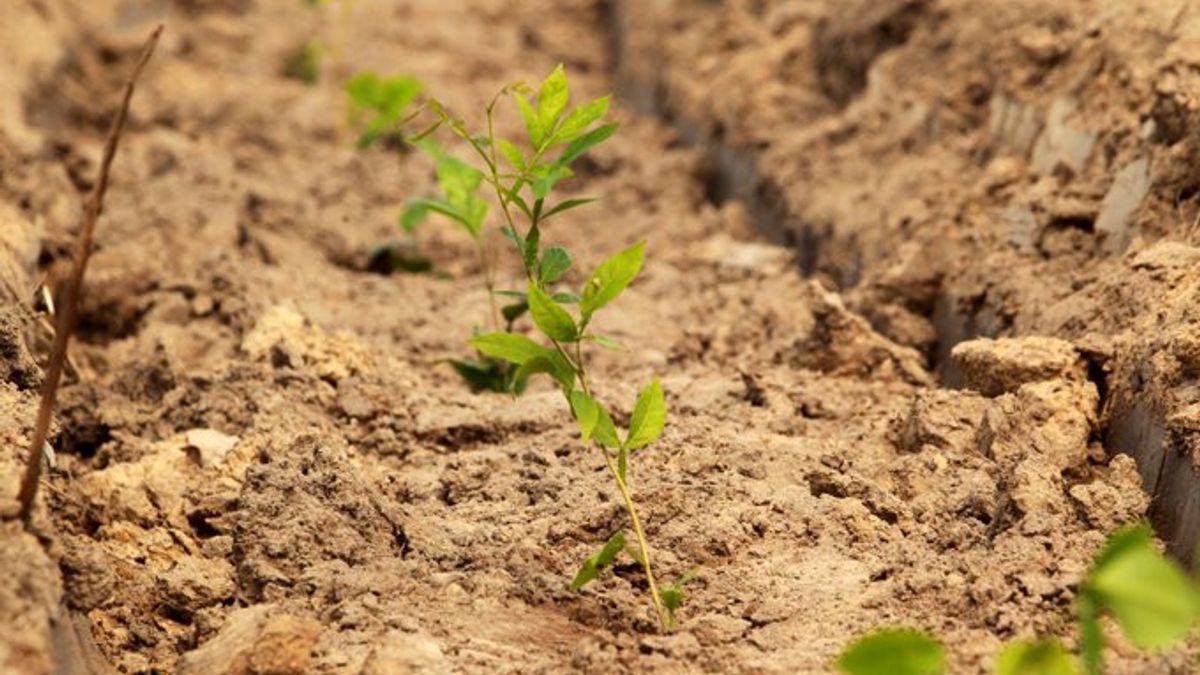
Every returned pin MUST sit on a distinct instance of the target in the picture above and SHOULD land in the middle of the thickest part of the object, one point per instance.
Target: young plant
(523, 177)
(1149, 597)
(304, 64)
(378, 106)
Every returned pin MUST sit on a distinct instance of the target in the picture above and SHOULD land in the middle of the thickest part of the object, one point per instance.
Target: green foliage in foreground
(522, 176)
(1149, 597)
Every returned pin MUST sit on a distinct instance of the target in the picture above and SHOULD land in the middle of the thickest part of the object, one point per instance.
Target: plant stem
(70, 304)
(664, 617)
(489, 280)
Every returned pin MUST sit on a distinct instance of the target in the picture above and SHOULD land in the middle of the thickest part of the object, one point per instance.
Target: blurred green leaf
(577, 122)
(605, 341)
(1151, 598)
(551, 363)
(510, 347)
(481, 375)
(896, 651)
(567, 205)
(586, 142)
(533, 126)
(512, 153)
(377, 104)
(553, 97)
(514, 311)
(1044, 657)
(555, 263)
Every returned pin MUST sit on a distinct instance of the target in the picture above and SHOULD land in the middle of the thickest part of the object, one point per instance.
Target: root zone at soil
(264, 465)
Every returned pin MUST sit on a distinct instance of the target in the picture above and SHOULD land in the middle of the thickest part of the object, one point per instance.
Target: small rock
(1128, 190)
(210, 445)
(353, 401)
(252, 642)
(402, 653)
(1021, 226)
(1060, 143)
(994, 367)
(1013, 125)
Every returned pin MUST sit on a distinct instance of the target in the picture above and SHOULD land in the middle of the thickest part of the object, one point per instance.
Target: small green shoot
(378, 106)
(304, 64)
(523, 174)
(672, 593)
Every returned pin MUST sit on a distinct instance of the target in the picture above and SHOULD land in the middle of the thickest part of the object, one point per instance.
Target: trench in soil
(1135, 427)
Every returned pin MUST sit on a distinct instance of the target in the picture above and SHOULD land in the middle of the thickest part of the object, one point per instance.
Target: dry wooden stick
(69, 316)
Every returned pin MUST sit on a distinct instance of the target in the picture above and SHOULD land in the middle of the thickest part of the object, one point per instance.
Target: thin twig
(69, 316)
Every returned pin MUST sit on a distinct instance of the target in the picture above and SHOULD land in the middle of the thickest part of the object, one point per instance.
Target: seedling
(1149, 597)
(304, 63)
(378, 106)
(522, 177)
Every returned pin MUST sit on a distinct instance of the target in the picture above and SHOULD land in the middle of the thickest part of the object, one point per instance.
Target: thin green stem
(489, 280)
(664, 617)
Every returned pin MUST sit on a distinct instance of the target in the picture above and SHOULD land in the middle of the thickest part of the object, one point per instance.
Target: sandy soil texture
(920, 287)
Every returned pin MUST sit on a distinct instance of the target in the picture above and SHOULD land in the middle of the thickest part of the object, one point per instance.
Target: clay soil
(263, 466)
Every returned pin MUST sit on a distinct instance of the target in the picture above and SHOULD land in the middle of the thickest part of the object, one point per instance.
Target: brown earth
(262, 467)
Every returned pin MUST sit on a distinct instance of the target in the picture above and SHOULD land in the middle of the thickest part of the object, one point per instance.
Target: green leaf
(605, 432)
(649, 417)
(512, 153)
(510, 347)
(672, 594)
(567, 205)
(426, 204)
(517, 239)
(600, 561)
(520, 202)
(530, 253)
(587, 413)
(457, 178)
(896, 651)
(580, 119)
(377, 104)
(1150, 597)
(514, 311)
(548, 178)
(553, 97)
(564, 298)
(551, 363)
(605, 341)
(1044, 657)
(1091, 637)
(672, 597)
(549, 317)
(555, 263)
(414, 213)
(611, 278)
(481, 375)
(533, 126)
(587, 142)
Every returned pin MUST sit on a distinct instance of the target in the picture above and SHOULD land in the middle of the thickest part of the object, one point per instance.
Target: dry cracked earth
(920, 288)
